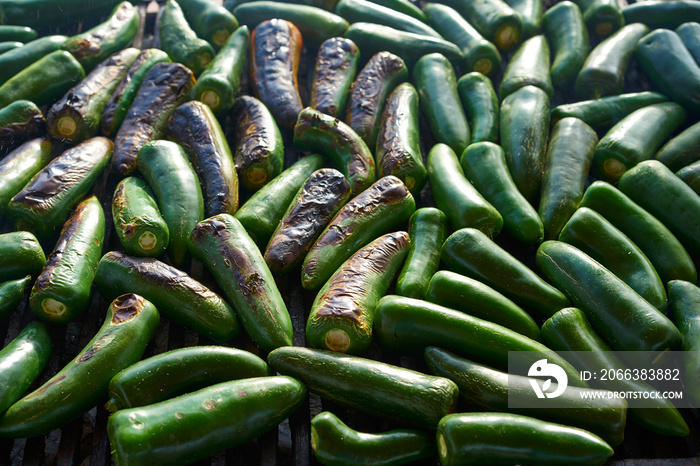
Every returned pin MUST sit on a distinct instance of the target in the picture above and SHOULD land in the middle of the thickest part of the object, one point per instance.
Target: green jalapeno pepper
(22, 361)
(481, 106)
(333, 442)
(62, 290)
(427, 229)
(566, 167)
(180, 41)
(382, 389)
(263, 211)
(464, 206)
(130, 323)
(169, 173)
(485, 388)
(11, 295)
(505, 438)
(666, 253)
(598, 238)
(529, 66)
(20, 255)
(140, 227)
(223, 245)
(464, 294)
(484, 164)
(180, 371)
(622, 317)
(220, 82)
(20, 166)
(19, 121)
(172, 432)
(684, 298)
(470, 252)
(570, 330)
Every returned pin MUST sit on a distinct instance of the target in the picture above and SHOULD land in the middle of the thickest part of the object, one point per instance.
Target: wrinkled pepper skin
(183, 300)
(369, 92)
(20, 255)
(11, 295)
(335, 68)
(172, 432)
(427, 229)
(22, 361)
(194, 126)
(318, 132)
(140, 227)
(566, 167)
(504, 438)
(180, 41)
(623, 318)
(117, 33)
(220, 82)
(570, 330)
(43, 81)
(382, 208)
(19, 121)
(342, 314)
(464, 294)
(164, 88)
(407, 326)
(684, 298)
(314, 206)
(470, 252)
(117, 106)
(274, 64)
(484, 164)
(19, 167)
(602, 241)
(635, 138)
(46, 201)
(398, 149)
(263, 211)
(665, 196)
(666, 253)
(258, 145)
(179, 371)
(76, 116)
(464, 206)
(488, 389)
(223, 245)
(169, 173)
(62, 291)
(334, 442)
(524, 126)
(370, 386)
(130, 324)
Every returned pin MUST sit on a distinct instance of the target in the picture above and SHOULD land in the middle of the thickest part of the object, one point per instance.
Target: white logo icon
(542, 368)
